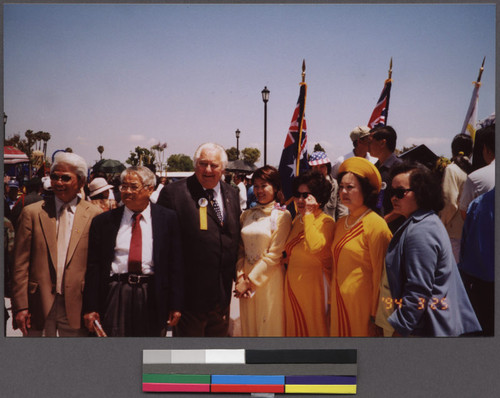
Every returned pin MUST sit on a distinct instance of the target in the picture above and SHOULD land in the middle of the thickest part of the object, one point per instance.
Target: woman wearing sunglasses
(359, 246)
(428, 295)
(260, 275)
(308, 255)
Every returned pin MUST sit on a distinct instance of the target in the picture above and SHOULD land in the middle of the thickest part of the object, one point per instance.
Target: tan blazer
(35, 262)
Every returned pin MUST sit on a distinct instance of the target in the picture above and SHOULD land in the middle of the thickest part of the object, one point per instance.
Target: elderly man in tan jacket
(50, 255)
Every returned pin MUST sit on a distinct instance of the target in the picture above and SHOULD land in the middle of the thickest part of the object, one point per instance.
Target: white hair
(147, 177)
(212, 147)
(71, 159)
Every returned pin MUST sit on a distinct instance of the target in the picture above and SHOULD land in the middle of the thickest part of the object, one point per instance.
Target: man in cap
(209, 211)
(50, 255)
(322, 164)
(360, 137)
(133, 284)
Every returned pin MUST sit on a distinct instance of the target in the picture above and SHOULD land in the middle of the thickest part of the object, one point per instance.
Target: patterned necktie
(135, 252)
(215, 205)
(63, 235)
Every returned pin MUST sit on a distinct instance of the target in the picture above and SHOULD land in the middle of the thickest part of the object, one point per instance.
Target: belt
(131, 279)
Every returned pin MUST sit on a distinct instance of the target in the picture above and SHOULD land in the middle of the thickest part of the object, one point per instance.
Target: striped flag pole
(381, 112)
(469, 126)
(302, 145)
(294, 155)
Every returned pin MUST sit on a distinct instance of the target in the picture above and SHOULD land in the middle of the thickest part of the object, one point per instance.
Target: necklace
(347, 226)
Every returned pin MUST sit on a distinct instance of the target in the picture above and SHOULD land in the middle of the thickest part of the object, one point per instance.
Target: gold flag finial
(481, 69)
(390, 69)
(303, 71)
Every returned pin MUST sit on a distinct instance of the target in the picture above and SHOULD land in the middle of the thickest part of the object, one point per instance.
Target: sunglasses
(398, 192)
(302, 195)
(62, 177)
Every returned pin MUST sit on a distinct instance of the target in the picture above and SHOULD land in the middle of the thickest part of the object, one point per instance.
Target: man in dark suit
(50, 255)
(208, 211)
(134, 279)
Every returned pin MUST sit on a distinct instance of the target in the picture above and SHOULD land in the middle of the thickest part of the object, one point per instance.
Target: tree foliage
(251, 155)
(32, 141)
(100, 149)
(159, 152)
(232, 154)
(142, 157)
(179, 162)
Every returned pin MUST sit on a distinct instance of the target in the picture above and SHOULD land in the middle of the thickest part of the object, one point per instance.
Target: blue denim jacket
(428, 293)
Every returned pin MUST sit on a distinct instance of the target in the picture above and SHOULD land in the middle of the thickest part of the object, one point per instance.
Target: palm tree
(100, 149)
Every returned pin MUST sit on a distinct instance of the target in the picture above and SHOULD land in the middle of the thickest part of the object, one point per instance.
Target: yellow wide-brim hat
(363, 168)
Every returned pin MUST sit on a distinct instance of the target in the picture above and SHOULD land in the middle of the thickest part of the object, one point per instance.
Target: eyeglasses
(62, 177)
(131, 188)
(302, 195)
(398, 192)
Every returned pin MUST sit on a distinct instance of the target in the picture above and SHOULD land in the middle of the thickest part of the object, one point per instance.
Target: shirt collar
(71, 204)
(146, 214)
(217, 193)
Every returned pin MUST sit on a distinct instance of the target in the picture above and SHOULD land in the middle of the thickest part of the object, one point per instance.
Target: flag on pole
(381, 111)
(469, 126)
(294, 156)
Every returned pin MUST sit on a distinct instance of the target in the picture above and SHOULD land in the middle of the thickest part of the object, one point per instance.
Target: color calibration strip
(198, 371)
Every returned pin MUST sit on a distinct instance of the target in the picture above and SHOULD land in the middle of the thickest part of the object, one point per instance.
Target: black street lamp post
(265, 98)
(237, 133)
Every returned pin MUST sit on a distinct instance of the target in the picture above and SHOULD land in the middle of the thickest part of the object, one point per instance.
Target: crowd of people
(377, 247)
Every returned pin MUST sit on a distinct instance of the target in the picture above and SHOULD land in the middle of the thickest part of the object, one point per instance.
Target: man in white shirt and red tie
(133, 284)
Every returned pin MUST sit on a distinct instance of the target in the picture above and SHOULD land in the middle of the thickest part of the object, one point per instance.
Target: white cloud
(136, 138)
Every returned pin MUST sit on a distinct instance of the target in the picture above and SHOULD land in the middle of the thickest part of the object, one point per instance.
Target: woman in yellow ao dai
(359, 248)
(259, 271)
(309, 259)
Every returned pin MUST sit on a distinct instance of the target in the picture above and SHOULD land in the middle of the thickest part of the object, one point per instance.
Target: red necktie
(135, 252)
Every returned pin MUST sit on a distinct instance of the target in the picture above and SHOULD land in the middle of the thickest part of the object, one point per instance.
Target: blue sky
(126, 75)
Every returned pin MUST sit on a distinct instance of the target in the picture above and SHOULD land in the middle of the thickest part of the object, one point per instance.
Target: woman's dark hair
(317, 184)
(425, 185)
(461, 149)
(272, 176)
(368, 191)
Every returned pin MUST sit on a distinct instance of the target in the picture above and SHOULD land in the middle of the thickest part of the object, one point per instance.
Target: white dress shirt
(122, 244)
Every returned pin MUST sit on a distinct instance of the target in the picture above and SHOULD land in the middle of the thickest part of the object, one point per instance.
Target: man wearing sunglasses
(50, 255)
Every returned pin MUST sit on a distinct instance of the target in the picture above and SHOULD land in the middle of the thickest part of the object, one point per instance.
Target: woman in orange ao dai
(309, 258)
(359, 247)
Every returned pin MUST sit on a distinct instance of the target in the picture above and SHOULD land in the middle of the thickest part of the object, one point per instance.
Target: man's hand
(23, 320)
(173, 318)
(89, 319)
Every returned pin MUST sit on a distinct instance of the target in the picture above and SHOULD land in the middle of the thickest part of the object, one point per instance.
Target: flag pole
(481, 69)
(469, 122)
(302, 118)
(390, 70)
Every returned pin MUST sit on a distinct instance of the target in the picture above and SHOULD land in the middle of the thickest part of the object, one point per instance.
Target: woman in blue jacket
(428, 295)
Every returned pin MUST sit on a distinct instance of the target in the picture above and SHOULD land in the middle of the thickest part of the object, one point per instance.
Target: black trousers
(482, 297)
(131, 310)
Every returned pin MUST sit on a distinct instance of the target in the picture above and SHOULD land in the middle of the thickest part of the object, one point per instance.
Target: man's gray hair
(211, 147)
(147, 177)
(71, 159)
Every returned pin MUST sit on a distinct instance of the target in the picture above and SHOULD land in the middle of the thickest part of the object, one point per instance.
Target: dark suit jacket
(167, 261)
(209, 255)
(35, 261)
